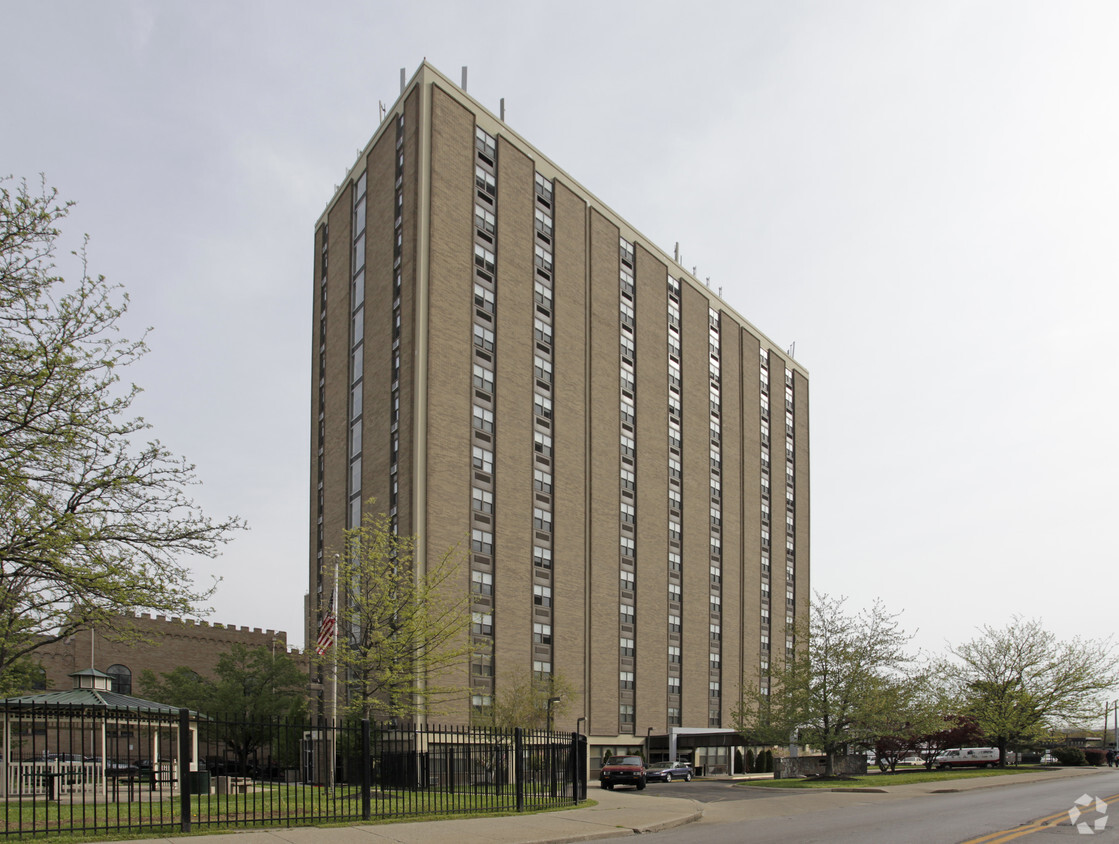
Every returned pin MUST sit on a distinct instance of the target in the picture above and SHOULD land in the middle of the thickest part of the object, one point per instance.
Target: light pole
(551, 702)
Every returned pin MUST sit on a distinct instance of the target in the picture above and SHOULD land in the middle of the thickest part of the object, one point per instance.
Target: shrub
(1070, 756)
(1095, 756)
(749, 765)
(738, 761)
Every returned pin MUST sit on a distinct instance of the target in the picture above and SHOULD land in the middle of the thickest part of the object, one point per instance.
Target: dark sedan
(623, 770)
(669, 771)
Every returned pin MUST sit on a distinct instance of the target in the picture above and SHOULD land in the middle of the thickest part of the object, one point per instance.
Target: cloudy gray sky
(924, 197)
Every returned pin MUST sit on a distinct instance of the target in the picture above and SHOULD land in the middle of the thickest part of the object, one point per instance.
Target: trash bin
(199, 782)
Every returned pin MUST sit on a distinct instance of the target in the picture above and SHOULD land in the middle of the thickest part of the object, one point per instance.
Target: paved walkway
(618, 813)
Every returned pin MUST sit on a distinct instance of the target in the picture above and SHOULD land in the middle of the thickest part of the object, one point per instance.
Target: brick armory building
(498, 355)
(159, 643)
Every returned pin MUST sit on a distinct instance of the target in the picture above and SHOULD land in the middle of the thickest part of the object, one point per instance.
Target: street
(736, 813)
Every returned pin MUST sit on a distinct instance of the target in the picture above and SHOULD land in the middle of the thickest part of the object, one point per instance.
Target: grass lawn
(67, 821)
(880, 780)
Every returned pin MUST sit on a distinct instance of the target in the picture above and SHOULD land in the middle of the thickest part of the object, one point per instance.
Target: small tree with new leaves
(402, 627)
(839, 688)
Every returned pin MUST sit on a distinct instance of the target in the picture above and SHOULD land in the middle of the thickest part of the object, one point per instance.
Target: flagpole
(334, 680)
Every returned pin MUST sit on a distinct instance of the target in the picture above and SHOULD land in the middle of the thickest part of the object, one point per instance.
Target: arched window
(122, 679)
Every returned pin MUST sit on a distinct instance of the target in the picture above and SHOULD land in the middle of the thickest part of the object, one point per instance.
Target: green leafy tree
(523, 702)
(839, 688)
(400, 631)
(1019, 682)
(253, 689)
(92, 522)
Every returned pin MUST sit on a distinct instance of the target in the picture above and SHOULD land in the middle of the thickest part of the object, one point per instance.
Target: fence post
(582, 767)
(184, 770)
(366, 769)
(573, 767)
(519, 767)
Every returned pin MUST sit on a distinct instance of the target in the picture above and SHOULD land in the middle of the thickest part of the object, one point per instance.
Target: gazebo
(89, 705)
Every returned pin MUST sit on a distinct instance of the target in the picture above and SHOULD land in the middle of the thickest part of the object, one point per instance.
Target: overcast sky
(924, 197)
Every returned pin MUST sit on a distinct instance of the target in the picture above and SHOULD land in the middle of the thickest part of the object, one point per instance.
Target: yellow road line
(1030, 828)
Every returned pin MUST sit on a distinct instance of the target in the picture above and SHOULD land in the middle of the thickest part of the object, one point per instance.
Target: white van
(976, 757)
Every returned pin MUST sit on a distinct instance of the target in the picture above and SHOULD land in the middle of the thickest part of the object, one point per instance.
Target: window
(625, 714)
(674, 468)
(673, 431)
(673, 561)
(627, 613)
(790, 600)
(120, 679)
(673, 314)
(629, 479)
(483, 459)
(483, 419)
(625, 278)
(482, 703)
(481, 583)
(541, 519)
(626, 313)
(542, 634)
(484, 143)
(716, 489)
(626, 377)
(674, 592)
(483, 338)
(484, 181)
(713, 688)
(484, 220)
(627, 546)
(543, 295)
(543, 223)
(716, 574)
(674, 530)
(628, 446)
(674, 716)
(541, 595)
(482, 666)
(543, 258)
(625, 680)
(627, 647)
(716, 516)
(541, 670)
(627, 411)
(542, 444)
(541, 557)
(542, 480)
(716, 661)
(627, 580)
(483, 298)
(542, 368)
(673, 374)
(483, 500)
(674, 654)
(674, 685)
(716, 604)
(675, 500)
(674, 624)
(481, 541)
(628, 513)
(626, 251)
(482, 623)
(544, 188)
(627, 346)
(484, 259)
(543, 331)
(716, 633)
(542, 406)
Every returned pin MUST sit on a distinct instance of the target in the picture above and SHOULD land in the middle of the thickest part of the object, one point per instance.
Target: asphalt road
(1028, 812)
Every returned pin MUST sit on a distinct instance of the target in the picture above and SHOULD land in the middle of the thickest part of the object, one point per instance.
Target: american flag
(326, 630)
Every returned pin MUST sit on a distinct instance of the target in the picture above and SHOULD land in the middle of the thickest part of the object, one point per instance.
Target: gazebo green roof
(91, 693)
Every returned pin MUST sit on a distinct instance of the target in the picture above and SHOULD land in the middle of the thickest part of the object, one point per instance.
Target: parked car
(669, 771)
(622, 770)
(1048, 758)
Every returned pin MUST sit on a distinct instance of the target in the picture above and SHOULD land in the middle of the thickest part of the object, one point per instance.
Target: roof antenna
(792, 352)
(676, 256)
(381, 108)
(720, 291)
(463, 77)
(503, 109)
(402, 80)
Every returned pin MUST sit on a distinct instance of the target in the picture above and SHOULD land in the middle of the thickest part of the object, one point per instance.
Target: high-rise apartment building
(499, 356)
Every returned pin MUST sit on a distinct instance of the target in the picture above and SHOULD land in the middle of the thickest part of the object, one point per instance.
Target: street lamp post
(551, 701)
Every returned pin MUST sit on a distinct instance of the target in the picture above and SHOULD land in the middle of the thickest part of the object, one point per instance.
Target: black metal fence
(69, 770)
